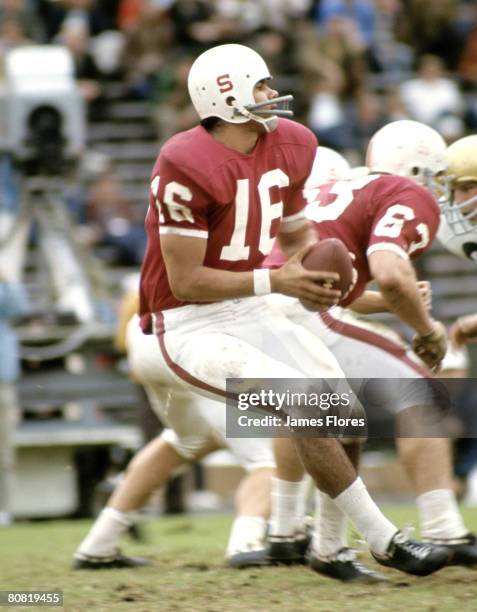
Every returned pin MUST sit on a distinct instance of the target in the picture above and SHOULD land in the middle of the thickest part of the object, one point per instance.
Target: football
(331, 255)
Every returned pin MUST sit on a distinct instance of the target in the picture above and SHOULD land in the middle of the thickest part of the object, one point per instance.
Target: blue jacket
(12, 303)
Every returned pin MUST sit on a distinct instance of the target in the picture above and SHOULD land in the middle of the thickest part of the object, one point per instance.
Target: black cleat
(345, 567)
(413, 557)
(248, 558)
(303, 539)
(462, 551)
(116, 561)
(283, 550)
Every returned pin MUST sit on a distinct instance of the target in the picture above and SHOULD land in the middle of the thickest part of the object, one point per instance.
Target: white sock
(330, 527)
(285, 502)
(439, 515)
(103, 537)
(357, 504)
(247, 533)
(302, 502)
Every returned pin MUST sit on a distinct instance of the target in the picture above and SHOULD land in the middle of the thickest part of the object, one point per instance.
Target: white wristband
(261, 282)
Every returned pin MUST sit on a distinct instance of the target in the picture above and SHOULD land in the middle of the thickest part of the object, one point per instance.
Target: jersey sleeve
(180, 201)
(406, 226)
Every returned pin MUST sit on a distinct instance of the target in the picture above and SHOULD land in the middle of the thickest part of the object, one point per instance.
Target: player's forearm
(369, 302)
(205, 284)
(402, 297)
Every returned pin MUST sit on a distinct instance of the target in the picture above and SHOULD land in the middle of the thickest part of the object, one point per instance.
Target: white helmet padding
(221, 84)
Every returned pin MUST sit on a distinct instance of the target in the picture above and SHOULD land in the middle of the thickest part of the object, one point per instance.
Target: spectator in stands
(22, 14)
(75, 36)
(173, 111)
(388, 55)
(467, 63)
(434, 99)
(359, 12)
(95, 19)
(327, 116)
(188, 16)
(110, 224)
(12, 34)
(149, 41)
(432, 29)
(365, 117)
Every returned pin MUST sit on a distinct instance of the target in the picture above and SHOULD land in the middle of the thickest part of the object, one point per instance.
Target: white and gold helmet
(458, 230)
(221, 84)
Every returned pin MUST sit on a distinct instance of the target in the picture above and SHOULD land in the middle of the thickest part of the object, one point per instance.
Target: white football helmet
(411, 149)
(329, 165)
(221, 84)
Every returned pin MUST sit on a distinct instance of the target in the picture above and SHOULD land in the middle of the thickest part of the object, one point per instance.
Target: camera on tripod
(43, 112)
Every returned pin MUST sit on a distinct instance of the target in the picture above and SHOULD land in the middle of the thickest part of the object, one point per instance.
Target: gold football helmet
(458, 229)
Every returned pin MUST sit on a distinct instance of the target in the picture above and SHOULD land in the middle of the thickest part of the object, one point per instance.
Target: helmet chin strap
(266, 116)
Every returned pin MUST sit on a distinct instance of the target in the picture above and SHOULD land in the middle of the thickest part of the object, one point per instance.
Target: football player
(386, 218)
(195, 427)
(220, 195)
(458, 229)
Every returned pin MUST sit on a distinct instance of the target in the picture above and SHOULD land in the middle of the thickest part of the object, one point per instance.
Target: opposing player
(195, 427)
(458, 229)
(221, 194)
(386, 219)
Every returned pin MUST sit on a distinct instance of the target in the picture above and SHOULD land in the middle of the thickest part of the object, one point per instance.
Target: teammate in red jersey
(221, 193)
(386, 220)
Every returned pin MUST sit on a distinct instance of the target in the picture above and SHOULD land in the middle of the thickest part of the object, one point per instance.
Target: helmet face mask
(410, 149)
(222, 83)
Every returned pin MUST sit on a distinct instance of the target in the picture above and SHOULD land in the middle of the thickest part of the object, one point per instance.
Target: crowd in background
(351, 64)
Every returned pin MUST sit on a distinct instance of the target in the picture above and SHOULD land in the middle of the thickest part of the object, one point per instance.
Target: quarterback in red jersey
(220, 195)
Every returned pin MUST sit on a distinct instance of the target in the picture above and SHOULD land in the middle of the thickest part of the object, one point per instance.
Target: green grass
(188, 574)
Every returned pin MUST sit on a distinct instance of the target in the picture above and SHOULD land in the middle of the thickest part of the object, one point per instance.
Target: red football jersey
(373, 213)
(235, 201)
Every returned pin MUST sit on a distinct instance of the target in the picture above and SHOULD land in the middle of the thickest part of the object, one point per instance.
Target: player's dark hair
(209, 123)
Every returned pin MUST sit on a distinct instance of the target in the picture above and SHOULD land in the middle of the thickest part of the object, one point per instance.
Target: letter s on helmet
(221, 84)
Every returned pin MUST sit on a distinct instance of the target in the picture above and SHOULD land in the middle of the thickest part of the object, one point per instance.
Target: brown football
(330, 255)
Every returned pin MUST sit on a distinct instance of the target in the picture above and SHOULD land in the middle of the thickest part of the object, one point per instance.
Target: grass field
(188, 574)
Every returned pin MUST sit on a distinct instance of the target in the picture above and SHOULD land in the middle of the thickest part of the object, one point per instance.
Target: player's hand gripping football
(311, 286)
(432, 347)
(464, 330)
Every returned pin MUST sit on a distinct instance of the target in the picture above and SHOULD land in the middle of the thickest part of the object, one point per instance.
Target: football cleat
(116, 561)
(248, 558)
(343, 566)
(282, 550)
(462, 551)
(412, 556)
